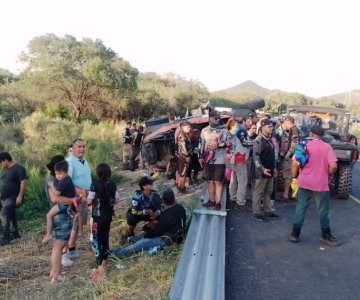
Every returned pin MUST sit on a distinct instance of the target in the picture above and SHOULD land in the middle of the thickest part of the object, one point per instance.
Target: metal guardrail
(200, 274)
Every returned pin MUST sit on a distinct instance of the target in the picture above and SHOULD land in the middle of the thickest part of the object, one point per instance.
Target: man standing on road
(13, 187)
(239, 156)
(264, 160)
(289, 141)
(313, 184)
(80, 173)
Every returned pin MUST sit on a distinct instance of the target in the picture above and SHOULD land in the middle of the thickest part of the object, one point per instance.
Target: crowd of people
(72, 194)
(247, 152)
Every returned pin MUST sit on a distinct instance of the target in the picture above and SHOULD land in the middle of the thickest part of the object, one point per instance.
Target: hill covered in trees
(84, 79)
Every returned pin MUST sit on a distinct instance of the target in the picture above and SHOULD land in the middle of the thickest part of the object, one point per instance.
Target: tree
(6, 76)
(82, 75)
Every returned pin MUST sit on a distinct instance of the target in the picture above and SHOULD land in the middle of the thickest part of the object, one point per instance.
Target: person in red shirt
(313, 182)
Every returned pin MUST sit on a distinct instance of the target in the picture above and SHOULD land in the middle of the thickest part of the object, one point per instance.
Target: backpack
(302, 153)
(239, 153)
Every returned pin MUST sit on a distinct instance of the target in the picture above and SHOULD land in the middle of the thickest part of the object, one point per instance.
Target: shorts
(214, 172)
(182, 167)
(287, 169)
(83, 215)
(132, 219)
(62, 227)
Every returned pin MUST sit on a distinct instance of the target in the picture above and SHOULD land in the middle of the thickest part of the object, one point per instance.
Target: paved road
(262, 264)
(356, 181)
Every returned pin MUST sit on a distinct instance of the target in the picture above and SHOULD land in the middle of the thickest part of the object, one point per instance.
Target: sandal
(59, 279)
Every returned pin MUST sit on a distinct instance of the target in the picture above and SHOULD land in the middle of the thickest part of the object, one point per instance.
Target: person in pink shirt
(313, 181)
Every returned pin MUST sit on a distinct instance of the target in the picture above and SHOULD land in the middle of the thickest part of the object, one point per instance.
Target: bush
(35, 202)
(44, 137)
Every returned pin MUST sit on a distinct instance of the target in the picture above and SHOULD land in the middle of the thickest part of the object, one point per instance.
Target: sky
(307, 46)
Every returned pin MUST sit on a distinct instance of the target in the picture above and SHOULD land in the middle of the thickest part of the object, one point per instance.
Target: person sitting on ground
(62, 186)
(169, 229)
(102, 213)
(145, 205)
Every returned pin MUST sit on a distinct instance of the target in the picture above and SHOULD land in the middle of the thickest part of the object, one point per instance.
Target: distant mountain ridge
(348, 98)
(250, 87)
(247, 87)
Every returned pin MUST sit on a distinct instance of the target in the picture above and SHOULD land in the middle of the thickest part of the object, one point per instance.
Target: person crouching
(145, 205)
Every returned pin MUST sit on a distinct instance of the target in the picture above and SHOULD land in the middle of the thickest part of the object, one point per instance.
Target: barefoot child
(63, 186)
(102, 212)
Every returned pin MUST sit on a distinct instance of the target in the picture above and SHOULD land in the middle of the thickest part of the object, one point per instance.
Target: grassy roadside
(24, 267)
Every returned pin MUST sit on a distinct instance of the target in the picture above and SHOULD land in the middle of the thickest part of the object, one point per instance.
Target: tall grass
(37, 138)
(35, 202)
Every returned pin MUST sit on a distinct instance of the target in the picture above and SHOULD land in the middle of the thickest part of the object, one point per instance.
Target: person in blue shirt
(167, 230)
(145, 205)
(80, 173)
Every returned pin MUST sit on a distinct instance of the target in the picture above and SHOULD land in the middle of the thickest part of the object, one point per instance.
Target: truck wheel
(344, 183)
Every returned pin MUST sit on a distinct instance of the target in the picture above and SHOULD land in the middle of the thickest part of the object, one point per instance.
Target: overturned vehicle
(159, 140)
(336, 123)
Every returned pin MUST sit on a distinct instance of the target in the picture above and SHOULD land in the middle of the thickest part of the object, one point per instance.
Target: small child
(63, 186)
(102, 213)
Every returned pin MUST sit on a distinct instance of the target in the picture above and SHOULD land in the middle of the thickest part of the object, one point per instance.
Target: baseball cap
(318, 130)
(265, 122)
(145, 180)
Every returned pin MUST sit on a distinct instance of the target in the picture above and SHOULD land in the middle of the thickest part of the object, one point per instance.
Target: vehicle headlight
(343, 154)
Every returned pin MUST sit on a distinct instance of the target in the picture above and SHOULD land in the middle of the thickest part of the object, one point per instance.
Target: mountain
(348, 98)
(246, 88)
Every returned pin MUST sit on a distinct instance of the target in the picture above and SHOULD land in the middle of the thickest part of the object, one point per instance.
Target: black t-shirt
(104, 201)
(66, 187)
(11, 180)
(127, 136)
(137, 138)
(170, 224)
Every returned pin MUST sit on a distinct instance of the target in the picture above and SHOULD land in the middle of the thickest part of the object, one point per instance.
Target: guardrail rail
(200, 274)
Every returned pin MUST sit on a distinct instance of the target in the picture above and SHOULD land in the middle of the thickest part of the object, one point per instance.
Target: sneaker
(75, 254)
(217, 206)
(65, 261)
(272, 215)
(294, 238)
(241, 207)
(259, 218)
(4, 242)
(283, 199)
(209, 204)
(330, 240)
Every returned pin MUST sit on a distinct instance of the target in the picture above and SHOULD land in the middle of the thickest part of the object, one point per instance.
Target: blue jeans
(322, 200)
(143, 244)
(8, 218)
